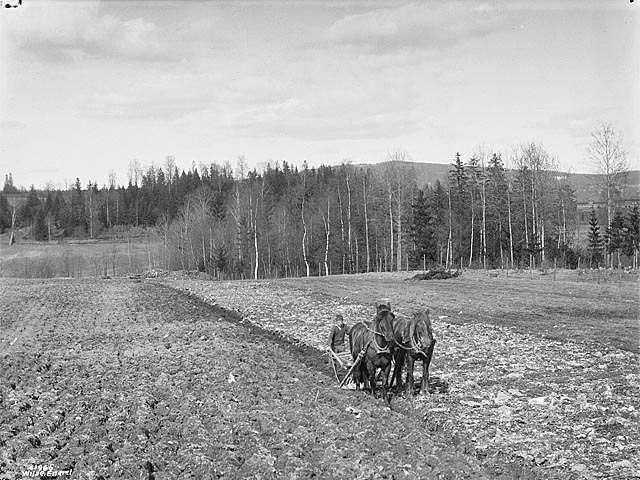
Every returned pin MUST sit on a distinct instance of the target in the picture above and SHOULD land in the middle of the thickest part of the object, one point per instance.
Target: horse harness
(379, 350)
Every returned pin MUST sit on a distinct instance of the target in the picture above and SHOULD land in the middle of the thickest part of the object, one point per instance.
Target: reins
(379, 350)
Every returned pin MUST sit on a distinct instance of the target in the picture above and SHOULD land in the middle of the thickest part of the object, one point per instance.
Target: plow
(343, 361)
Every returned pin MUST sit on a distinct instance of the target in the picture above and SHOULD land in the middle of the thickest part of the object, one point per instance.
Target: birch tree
(327, 227)
(349, 222)
(304, 223)
(399, 179)
(606, 151)
(366, 221)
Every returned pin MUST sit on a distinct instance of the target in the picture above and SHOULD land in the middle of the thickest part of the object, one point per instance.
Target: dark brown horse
(375, 338)
(414, 341)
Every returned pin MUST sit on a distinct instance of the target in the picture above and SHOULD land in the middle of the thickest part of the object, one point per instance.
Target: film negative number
(12, 4)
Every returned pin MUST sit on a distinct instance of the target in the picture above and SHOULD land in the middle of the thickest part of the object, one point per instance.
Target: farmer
(338, 332)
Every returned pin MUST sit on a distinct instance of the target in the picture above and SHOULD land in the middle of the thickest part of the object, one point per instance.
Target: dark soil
(534, 368)
(121, 379)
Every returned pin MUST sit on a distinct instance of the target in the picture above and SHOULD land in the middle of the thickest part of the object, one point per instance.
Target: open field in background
(597, 308)
(117, 379)
(79, 258)
(135, 251)
(540, 372)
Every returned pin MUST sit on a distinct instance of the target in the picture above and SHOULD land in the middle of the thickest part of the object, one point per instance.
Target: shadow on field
(309, 356)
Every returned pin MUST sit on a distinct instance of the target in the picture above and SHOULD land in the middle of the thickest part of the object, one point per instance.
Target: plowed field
(118, 379)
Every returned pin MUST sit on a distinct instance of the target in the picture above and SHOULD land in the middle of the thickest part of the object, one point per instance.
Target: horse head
(421, 333)
(383, 305)
(383, 322)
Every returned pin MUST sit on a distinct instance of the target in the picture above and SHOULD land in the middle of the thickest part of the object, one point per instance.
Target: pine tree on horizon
(596, 242)
(40, 231)
(631, 241)
(423, 229)
(615, 235)
(9, 187)
(458, 180)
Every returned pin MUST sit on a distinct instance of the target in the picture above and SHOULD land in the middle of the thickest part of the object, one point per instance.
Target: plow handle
(355, 364)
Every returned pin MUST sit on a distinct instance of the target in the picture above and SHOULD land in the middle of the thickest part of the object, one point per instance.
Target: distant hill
(588, 186)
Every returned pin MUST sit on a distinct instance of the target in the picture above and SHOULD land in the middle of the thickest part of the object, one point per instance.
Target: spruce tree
(8, 184)
(423, 227)
(458, 183)
(77, 221)
(615, 235)
(632, 234)
(5, 213)
(30, 207)
(596, 242)
(40, 231)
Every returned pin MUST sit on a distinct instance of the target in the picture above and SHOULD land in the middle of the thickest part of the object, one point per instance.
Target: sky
(87, 87)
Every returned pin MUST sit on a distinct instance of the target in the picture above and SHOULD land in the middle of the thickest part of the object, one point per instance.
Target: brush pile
(437, 274)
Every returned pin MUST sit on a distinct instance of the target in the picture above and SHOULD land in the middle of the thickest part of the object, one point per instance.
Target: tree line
(290, 221)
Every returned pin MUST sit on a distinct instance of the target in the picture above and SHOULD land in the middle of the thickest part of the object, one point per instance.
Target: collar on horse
(379, 350)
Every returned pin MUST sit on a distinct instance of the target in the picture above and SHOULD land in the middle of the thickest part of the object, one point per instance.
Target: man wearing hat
(338, 332)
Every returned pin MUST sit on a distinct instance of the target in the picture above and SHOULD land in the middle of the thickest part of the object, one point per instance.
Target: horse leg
(387, 371)
(410, 362)
(372, 377)
(360, 372)
(399, 358)
(385, 386)
(356, 376)
(366, 368)
(424, 385)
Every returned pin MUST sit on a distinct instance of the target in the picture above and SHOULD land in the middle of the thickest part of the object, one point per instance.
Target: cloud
(420, 25)
(172, 97)
(578, 123)
(150, 106)
(312, 101)
(72, 31)
(11, 126)
(334, 116)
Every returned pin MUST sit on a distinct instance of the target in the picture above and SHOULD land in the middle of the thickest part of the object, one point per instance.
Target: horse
(375, 338)
(414, 341)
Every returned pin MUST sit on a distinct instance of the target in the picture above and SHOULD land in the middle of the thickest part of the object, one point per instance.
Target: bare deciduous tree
(112, 183)
(304, 223)
(349, 222)
(366, 221)
(14, 207)
(327, 227)
(607, 152)
(399, 177)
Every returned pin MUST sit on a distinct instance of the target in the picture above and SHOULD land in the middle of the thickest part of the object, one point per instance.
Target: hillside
(588, 186)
